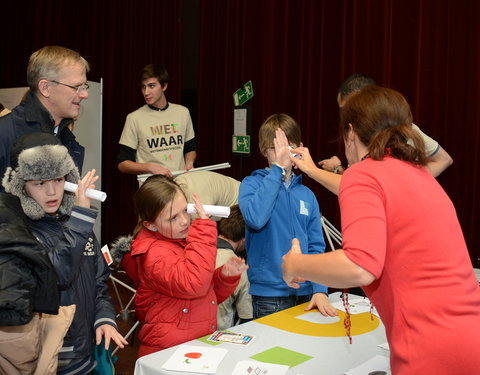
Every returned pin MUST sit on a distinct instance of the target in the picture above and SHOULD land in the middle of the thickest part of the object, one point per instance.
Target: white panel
(88, 131)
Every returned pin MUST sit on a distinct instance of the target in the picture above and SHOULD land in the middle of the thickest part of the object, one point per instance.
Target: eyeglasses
(78, 88)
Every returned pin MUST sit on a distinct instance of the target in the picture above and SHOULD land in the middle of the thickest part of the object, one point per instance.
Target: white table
(331, 355)
(477, 273)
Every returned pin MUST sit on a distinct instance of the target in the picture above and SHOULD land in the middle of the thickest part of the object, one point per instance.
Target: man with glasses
(58, 84)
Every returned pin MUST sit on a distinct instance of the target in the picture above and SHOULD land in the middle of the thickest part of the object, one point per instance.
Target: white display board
(88, 131)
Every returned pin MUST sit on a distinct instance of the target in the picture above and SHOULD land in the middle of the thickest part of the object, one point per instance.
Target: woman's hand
(288, 262)
(305, 163)
(330, 164)
(87, 182)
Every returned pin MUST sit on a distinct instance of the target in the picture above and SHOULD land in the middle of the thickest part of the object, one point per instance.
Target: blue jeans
(263, 306)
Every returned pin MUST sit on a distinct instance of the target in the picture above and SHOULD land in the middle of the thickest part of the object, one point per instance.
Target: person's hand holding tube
(87, 182)
(305, 163)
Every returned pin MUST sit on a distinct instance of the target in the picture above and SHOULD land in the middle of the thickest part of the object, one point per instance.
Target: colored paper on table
(281, 356)
(198, 359)
(256, 368)
(294, 320)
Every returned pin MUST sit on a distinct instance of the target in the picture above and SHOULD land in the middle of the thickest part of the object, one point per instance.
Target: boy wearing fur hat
(63, 223)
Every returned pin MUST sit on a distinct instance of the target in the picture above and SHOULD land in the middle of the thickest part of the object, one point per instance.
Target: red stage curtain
(297, 53)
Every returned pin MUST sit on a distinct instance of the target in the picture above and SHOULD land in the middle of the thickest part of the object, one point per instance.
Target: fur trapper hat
(120, 247)
(39, 156)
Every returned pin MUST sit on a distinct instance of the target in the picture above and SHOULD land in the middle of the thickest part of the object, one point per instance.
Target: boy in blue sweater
(277, 208)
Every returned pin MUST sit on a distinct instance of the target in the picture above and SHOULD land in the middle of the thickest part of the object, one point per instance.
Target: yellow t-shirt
(159, 136)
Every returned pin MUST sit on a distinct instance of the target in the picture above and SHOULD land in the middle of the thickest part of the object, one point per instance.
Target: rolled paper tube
(143, 177)
(220, 211)
(90, 193)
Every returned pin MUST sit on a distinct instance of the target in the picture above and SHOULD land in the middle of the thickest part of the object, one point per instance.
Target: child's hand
(87, 182)
(110, 334)
(199, 207)
(282, 150)
(234, 267)
(322, 303)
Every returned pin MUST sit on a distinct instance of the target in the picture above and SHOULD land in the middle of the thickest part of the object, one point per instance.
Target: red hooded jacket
(178, 286)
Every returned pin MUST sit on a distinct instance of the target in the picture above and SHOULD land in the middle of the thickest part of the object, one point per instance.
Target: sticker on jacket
(89, 247)
(303, 208)
(106, 254)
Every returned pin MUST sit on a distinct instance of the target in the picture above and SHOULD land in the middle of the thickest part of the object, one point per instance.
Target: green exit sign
(241, 144)
(243, 94)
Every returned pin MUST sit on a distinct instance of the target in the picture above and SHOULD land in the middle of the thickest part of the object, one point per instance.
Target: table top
(320, 342)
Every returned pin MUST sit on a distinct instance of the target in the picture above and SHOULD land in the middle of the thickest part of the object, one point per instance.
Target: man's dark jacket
(31, 116)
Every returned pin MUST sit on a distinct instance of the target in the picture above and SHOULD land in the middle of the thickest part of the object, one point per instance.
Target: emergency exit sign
(243, 94)
(241, 144)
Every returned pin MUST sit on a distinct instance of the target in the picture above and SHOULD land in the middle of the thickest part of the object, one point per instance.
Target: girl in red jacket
(174, 262)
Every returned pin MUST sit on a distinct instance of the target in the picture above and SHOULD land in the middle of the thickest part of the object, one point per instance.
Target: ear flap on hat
(15, 185)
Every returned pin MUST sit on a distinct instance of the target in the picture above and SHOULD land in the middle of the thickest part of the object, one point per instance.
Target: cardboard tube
(220, 211)
(90, 193)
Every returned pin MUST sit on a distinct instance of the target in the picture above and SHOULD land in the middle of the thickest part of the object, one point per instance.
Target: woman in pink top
(402, 241)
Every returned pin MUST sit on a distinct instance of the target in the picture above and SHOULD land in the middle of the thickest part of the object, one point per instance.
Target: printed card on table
(258, 368)
(198, 359)
(231, 337)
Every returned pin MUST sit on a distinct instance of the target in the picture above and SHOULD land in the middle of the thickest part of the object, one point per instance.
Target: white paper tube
(90, 193)
(143, 177)
(219, 211)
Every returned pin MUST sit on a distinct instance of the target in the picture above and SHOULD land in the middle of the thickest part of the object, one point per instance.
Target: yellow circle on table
(288, 320)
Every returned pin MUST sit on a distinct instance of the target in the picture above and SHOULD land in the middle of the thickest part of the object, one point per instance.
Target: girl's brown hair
(382, 119)
(152, 197)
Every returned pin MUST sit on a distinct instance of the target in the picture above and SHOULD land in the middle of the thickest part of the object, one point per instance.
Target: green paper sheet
(281, 356)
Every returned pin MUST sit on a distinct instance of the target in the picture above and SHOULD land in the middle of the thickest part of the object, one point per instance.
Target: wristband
(337, 169)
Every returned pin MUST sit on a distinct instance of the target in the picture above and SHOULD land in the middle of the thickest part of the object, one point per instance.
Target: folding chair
(331, 232)
(124, 310)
